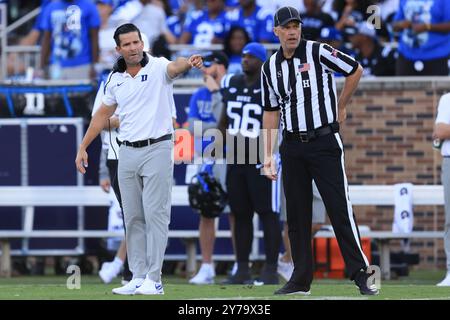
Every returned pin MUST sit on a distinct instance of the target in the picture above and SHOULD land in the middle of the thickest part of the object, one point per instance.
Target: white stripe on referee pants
(349, 204)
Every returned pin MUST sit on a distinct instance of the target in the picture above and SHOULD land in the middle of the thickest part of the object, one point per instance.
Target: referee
(298, 84)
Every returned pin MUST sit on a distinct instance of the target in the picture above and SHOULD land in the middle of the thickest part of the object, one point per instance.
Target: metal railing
(26, 56)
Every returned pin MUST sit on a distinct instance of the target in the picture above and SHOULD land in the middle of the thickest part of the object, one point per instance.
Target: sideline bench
(29, 197)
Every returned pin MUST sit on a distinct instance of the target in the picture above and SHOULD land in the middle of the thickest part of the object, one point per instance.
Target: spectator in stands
(350, 12)
(152, 21)
(126, 13)
(70, 39)
(34, 35)
(331, 36)
(16, 64)
(327, 7)
(273, 5)
(118, 3)
(235, 41)
(175, 5)
(314, 20)
(189, 8)
(206, 107)
(376, 59)
(442, 134)
(231, 4)
(257, 22)
(206, 28)
(424, 44)
(173, 21)
(387, 10)
(107, 45)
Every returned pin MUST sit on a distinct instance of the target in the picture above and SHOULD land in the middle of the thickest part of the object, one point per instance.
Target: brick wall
(387, 140)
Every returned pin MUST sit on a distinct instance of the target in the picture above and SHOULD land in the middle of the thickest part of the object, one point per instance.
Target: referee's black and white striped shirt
(303, 87)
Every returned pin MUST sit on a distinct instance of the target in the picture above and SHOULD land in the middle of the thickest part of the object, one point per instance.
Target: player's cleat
(109, 271)
(291, 288)
(130, 288)
(445, 282)
(124, 282)
(285, 269)
(150, 287)
(239, 278)
(205, 275)
(361, 280)
(267, 278)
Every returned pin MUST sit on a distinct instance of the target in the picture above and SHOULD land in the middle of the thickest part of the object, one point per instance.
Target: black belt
(307, 136)
(144, 143)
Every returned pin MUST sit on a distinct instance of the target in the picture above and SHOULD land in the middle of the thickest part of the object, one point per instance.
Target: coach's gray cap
(285, 15)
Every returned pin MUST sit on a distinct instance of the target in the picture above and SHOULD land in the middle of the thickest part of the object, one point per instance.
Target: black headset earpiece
(120, 65)
(144, 60)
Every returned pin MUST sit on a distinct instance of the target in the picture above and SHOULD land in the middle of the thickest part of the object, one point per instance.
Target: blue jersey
(425, 45)
(231, 3)
(174, 25)
(70, 24)
(234, 64)
(200, 108)
(204, 29)
(113, 3)
(38, 23)
(175, 5)
(259, 25)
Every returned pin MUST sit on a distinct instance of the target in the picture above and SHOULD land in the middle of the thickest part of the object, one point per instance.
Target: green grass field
(419, 285)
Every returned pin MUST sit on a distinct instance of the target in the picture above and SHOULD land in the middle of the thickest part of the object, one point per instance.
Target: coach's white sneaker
(205, 275)
(109, 271)
(285, 269)
(445, 282)
(150, 287)
(130, 288)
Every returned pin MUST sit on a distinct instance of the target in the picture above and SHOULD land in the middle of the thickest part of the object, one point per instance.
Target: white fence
(29, 197)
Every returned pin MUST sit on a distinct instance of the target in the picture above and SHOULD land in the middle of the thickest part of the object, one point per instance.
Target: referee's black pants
(321, 159)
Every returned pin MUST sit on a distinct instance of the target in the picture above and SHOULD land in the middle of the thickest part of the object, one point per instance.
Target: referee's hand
(342, 114)
(81, 161)
(270, 169)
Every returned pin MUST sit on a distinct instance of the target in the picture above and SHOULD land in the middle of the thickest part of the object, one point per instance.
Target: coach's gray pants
(446, 182)
(145, 180)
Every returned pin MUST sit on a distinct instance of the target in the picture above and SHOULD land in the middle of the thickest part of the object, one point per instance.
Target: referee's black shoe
(361, 280)
(267, 278)
(293, 288)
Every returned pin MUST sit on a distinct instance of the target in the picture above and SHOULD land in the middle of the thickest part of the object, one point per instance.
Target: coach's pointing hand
(81, 161)
(196, 61)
